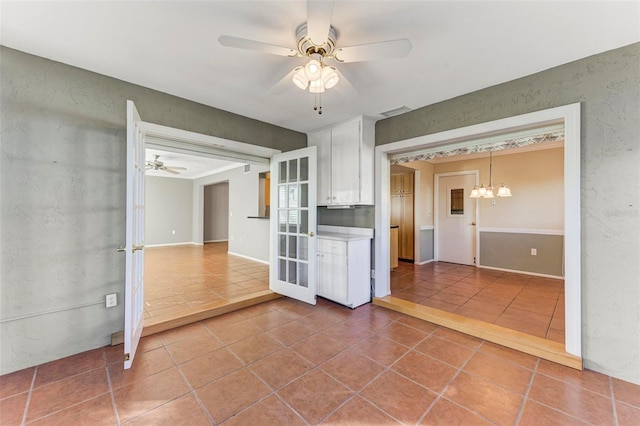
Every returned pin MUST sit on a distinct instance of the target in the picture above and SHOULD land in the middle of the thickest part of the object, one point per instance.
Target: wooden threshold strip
(533, 345)
(179, 318)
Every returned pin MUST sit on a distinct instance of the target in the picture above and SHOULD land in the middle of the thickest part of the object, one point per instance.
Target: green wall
(62, 210)
(608, 87)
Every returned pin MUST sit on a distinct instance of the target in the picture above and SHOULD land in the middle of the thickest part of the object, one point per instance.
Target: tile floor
(530, 304)
(284, 362)
(179, 279)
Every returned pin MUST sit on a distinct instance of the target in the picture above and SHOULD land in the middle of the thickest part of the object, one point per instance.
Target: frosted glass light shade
(316, 87)
(474, 192)
(329, 77)
(299, 79)
(504, 191)
(313, 70)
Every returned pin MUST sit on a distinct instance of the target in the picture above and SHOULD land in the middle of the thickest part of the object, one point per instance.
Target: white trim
(436, 209)
(185, 243)
(570, 116)
(523, 231)
(535, 274)
(425, 262)
(215, 241)
(266, 262)
(191, 142)
(426, 227)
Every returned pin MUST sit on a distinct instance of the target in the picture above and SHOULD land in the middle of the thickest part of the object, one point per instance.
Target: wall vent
(247, 168)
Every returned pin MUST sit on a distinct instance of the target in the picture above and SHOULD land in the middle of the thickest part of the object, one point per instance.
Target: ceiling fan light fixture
(316, 87)
(313, 70)
(300, 79)
(329, 77)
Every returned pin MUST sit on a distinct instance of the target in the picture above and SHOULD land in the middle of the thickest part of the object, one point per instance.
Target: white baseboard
(189, 243)
(266, 262)
(425, 262)
(215, 241)
(535, 274)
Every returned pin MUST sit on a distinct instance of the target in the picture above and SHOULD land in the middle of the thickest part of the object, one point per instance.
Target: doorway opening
(569, 118)
(230, 271)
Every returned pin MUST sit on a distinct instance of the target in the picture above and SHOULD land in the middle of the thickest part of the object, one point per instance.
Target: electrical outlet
(534, 252)
(111, 300)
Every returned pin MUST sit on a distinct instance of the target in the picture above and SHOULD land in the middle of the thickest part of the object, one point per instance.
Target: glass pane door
(294, 224)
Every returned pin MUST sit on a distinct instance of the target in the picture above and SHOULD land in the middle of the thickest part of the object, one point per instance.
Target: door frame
(569, 115)
(436, 214)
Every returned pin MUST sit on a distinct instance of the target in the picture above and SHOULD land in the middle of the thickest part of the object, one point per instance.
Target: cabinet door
(332, 277)
(406, 228)
(345, 161)
(322, 141)
(396, 210)
(396, 184)
(407, 182)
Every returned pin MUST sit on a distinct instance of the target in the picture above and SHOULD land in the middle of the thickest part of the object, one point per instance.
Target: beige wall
(536, 182)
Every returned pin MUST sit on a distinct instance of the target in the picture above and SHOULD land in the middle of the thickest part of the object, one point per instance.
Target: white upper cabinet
(345, 162)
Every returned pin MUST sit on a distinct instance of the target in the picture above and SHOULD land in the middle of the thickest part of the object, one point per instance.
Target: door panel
(134, 247)
(293, 224)
(456, 219)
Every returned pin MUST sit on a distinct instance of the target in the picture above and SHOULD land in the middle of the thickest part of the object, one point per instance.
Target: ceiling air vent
(395, 111)
(247, 168)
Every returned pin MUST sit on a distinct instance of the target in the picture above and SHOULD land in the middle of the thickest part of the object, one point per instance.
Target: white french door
(134, 247)
(456, 218)
(293, 224)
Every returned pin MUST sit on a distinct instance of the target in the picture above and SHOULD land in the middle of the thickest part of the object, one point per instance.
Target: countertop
(342, 237)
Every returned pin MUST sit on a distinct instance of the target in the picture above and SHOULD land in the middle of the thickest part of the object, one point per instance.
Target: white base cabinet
(344, 270)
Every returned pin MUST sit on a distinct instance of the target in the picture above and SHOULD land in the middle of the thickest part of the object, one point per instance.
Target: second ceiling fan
(316, 40)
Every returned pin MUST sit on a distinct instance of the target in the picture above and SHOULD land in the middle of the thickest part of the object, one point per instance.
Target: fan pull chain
(317, 104)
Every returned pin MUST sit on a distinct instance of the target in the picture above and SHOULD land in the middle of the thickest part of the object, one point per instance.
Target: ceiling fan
(316, 40)
(156, 164)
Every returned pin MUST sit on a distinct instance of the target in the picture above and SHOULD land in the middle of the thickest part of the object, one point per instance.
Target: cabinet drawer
(332, 246)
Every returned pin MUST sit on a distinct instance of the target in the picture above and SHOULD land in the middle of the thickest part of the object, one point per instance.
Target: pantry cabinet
(402, 212)
(345, 162)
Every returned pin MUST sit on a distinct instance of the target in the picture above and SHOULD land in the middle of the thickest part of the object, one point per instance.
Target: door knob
(121, 249)
(136, 248)
(311, 234)
(473, 223)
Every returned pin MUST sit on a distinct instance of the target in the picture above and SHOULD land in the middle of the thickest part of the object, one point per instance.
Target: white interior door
(134, 248)
(456, 221)
(293, 224)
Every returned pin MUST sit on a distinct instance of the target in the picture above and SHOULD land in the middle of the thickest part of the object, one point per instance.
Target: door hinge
(127, 357)
(474, 260)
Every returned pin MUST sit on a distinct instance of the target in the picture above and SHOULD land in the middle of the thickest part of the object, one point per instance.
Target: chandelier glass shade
(483, 191)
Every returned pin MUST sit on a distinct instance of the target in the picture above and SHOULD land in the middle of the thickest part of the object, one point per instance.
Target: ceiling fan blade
(176, 168)
(319, 14)
(374, 51)
(166, 169)
(344, 87)
(284, 84)
(257, 46)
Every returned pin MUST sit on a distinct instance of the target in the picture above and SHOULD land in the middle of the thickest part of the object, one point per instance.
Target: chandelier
(316, 77)
(487, 191)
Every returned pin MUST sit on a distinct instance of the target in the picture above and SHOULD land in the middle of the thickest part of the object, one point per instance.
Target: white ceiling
(458, 47)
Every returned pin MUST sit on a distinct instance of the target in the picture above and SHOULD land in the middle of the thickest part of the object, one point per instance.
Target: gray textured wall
(608, 87)
(216, 212)
(513, 251)
(168, 207)
(62, 172)
(426, 245)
